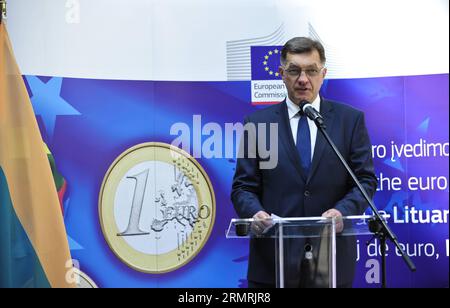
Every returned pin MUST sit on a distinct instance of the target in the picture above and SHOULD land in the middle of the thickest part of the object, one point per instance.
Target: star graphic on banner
(48, 103)
(423, 127)
(396, 164)
(74, 245)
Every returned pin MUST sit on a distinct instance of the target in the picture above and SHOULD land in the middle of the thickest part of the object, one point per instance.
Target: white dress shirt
(294, 117)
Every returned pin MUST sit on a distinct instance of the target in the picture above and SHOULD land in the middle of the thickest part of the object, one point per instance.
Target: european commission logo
(267, 86)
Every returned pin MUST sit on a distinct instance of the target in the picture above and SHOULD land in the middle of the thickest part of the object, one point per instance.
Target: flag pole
(2, 10)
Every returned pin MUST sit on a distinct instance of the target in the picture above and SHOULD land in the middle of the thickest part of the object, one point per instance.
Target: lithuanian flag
(34, 251)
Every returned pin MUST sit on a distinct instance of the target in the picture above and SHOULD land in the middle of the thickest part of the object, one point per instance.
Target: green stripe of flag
(19, 264)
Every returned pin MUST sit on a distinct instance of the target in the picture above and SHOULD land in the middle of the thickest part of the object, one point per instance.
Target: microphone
(311, 113)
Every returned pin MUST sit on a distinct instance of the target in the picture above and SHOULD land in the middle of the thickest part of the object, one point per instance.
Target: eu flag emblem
(265, 62)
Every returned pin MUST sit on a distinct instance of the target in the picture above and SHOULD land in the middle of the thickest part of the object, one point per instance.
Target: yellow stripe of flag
(24, 162)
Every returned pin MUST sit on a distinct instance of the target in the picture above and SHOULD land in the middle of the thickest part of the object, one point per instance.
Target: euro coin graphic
(156, 207)
(84, 281)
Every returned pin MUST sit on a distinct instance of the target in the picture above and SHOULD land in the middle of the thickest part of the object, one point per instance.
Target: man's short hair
(299, 45)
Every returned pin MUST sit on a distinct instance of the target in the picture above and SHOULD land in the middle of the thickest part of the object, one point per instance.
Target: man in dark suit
(308, 179)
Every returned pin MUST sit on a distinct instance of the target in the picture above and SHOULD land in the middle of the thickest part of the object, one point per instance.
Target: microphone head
(302, 105)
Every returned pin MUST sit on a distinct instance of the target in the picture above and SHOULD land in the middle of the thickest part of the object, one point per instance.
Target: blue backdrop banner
(89, 125)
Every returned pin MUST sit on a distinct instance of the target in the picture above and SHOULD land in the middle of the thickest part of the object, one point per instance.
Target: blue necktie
(304, 144)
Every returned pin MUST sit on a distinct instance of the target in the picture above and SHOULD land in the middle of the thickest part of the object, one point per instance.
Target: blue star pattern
(48, 103)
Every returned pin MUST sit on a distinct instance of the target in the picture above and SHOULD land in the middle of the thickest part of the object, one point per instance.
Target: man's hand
(262, 221)
(338, 215)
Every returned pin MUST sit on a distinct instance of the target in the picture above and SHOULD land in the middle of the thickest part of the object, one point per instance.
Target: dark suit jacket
(287, 192)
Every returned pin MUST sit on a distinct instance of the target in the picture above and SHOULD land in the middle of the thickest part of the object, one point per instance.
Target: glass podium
(303, 244)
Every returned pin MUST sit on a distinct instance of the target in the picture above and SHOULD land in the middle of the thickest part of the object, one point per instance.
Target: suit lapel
(287, 139)
(326, 110)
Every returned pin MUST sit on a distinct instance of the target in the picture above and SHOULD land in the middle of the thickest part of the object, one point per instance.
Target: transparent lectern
(306, 244)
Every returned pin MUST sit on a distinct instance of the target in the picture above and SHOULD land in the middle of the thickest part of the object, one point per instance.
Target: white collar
(293, 109)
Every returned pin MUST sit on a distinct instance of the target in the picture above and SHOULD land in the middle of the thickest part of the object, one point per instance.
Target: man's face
(303, 76)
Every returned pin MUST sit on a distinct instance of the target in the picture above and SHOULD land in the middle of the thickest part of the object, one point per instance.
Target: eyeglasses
(310, 72)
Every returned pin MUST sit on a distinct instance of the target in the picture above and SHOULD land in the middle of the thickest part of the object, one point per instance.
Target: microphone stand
(377, 224)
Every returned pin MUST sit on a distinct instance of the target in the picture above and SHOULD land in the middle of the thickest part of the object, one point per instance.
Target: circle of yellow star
(265, 63)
